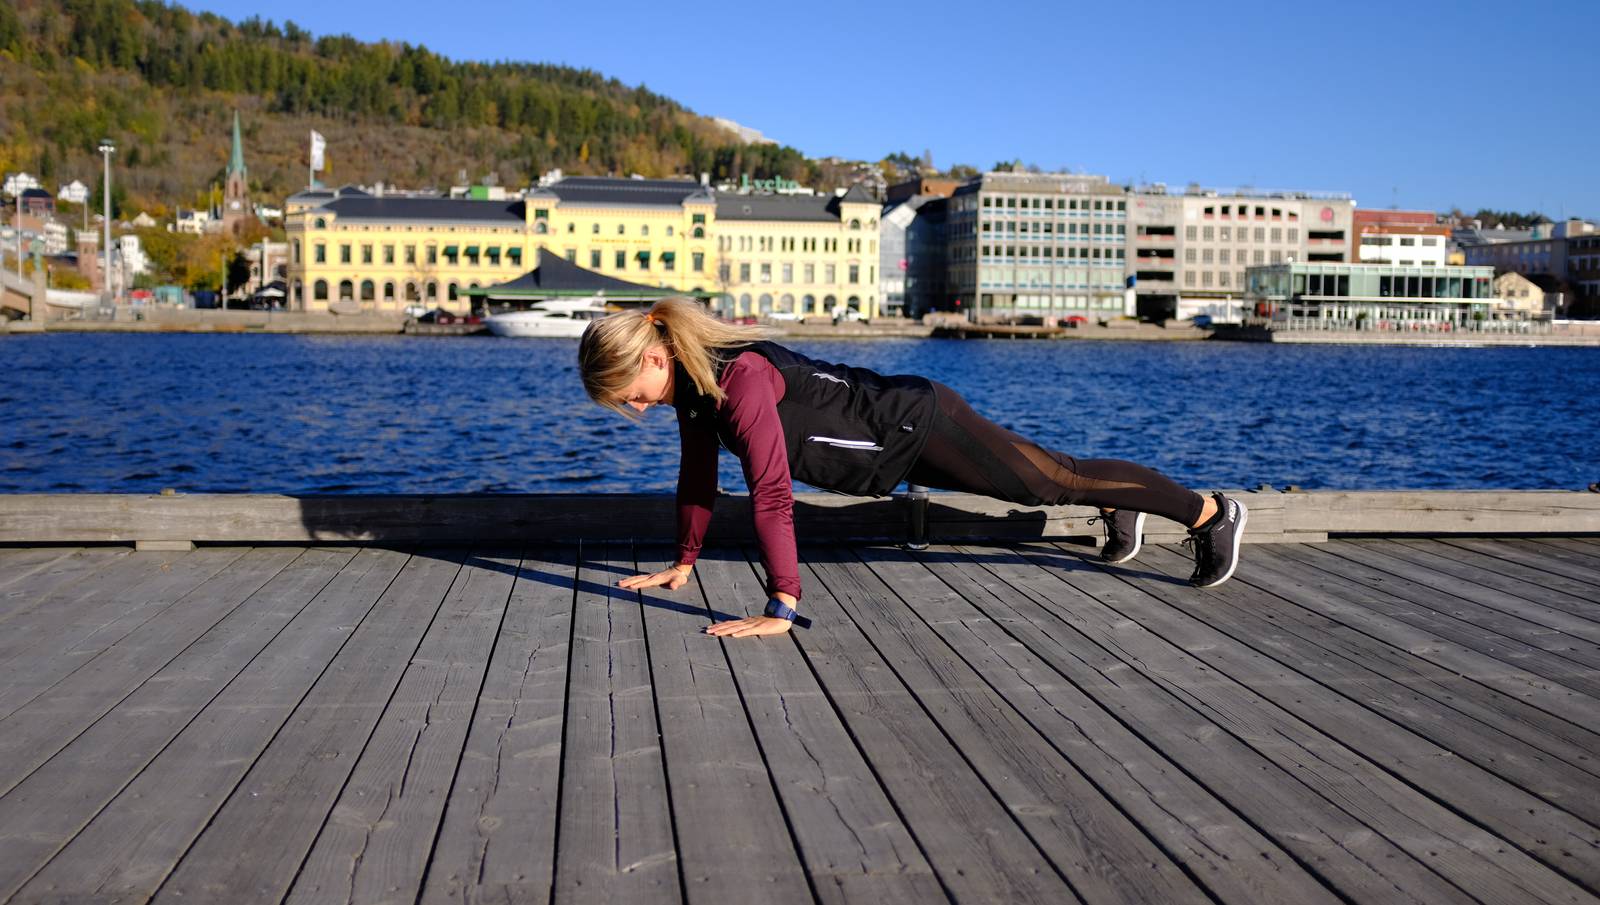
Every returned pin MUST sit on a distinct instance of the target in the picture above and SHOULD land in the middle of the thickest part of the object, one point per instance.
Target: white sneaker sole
(1238, 536)
(1138, 541)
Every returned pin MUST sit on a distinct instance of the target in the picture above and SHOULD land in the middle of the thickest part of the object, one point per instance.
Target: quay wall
(1572, 335)
(166, 519)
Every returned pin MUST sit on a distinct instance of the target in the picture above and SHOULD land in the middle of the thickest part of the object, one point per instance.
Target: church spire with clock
(236, 191)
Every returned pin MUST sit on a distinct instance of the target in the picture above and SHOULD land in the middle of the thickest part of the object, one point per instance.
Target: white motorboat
(551, 318)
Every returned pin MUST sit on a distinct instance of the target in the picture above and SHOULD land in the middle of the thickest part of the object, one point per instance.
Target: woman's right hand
(672, 578)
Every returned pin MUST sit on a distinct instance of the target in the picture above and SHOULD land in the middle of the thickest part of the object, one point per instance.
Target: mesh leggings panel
(967, 452)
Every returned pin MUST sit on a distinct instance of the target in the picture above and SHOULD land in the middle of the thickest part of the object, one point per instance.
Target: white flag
(318, 146)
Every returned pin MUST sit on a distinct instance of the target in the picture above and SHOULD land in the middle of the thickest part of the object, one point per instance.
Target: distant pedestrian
(853, 431)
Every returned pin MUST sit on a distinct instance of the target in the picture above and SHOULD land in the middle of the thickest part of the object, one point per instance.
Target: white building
(17, 183)
(56, 238)
(143, 221)
(134, 260)
(193, 222)
(75, 192)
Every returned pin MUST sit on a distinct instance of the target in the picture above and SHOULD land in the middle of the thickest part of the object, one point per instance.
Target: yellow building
(797, 254)
(751, 254)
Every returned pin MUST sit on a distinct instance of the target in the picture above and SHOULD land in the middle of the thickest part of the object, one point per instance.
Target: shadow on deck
(1366, 721)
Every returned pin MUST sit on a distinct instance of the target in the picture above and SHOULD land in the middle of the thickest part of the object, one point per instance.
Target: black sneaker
(1216, 543)
(1124, 534)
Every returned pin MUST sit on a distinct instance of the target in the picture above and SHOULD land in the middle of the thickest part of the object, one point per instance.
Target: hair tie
(651, 318)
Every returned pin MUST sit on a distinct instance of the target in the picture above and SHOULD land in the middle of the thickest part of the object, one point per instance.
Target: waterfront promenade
(1364, 720)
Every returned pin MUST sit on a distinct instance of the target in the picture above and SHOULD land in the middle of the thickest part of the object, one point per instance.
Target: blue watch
(777, 609)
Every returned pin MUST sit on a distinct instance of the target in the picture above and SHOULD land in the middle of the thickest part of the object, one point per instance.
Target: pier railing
(171, 520)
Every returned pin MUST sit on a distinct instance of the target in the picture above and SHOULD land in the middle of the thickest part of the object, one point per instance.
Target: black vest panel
(848, 430)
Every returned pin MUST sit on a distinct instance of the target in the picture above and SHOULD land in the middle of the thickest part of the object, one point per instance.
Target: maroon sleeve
(755, 435)
(697, 485)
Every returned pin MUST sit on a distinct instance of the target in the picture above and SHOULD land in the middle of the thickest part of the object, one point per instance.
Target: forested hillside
(163, 82)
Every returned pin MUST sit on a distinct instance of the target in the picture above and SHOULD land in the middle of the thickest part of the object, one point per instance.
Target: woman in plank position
(853, 431)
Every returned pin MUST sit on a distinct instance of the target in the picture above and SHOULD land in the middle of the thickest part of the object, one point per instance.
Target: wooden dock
(1356, 721)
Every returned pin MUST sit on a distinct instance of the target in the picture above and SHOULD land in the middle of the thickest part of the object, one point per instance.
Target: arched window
(699, 232)
(829, 303)
(347, 291)
(854, 302)
(766, 303)
(644, 230)
(786, 303)
(319, 290)
(808, 304)
(454, 293)
(320, 224)
(412, 295)
(388, 291)
(855, 224)
(367, 291)
(298, 297)
(433, 291)
(669, 232)
(541, 228)
(744, 305)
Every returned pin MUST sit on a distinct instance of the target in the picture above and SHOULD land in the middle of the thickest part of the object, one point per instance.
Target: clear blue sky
(1416, 104)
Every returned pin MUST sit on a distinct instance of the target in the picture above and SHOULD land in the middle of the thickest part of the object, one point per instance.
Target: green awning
(472, 251)
(515, 253)
(494, 253)
(450, 251)
(643, 256)
(669, 256)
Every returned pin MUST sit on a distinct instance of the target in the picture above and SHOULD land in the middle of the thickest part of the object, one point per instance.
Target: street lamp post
(107, 148)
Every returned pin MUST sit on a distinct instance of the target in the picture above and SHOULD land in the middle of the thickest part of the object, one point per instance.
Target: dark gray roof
(343, 191)
(556, 275)
(36, 193)
(631, 192)
(858, 194)
(819, 208)
(455, 209)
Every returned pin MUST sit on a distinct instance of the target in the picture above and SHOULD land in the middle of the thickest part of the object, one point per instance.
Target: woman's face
(654, 383)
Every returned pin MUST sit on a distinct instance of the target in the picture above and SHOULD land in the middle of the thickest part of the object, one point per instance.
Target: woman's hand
(755, 625)
(672, 578)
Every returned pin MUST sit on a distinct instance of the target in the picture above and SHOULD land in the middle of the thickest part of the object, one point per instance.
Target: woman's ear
(656, 356)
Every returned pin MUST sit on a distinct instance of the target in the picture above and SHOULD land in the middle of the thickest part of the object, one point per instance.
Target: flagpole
(311, 168)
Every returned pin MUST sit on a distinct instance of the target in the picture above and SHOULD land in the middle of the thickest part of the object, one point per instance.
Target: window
(1207, 256)
(541, 228)
(411, 254)
(433, 254)
(388, 292)
(1222, 256)
(595, 229)
(367, 292)
(319, 289)
(644, 230)
(1226, 234)
(669, 261)
(366, 254)
(1277, 234)
(622, 229)
(744, 273)
(1188, 256)
(571, 228)
(1208, 233)
(669, 232)
(1408, 242)
(347, 291)
(698, 261)
(454, 292)
(321, 252)
(1189, 232)
(572, 256)
(1294, 234)
(594, 259)
(766, 272)
(432, 290)
(855, 273)
(788, 273)
(621, 260)
(830, 273)
(388, 254)
(344, 254)
(810, 273)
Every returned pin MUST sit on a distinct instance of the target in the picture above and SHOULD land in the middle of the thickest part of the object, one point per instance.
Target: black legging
(968, 452)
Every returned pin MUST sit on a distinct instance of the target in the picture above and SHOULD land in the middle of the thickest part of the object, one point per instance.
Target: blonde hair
(612, 349)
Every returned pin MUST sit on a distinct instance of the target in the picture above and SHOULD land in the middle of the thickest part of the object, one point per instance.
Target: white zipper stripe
(866, 445)
(830, 377)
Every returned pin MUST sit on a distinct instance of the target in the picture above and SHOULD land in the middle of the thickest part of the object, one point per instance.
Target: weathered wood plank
(1524, 592)
(1397, 512)
(971, 840)
(854, 845)
(1078, 637)
(1217, 847)
(132, 844)
(30, 588)
(1095, 847)
(17, 563)
(1299, 725)
(615, 838)
(1409, 689)
(732, 835)
(1552, 556)
(74, 623)
(1367, 611)
(381, 831)
(44, 811)
(1540, 651)
(498, 840)
(1254, 618)
(34, 732)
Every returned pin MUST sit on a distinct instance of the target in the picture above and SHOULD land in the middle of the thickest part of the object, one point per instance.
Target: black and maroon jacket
(849, 430)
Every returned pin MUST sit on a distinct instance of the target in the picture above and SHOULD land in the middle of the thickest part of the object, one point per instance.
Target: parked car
(1074, 321)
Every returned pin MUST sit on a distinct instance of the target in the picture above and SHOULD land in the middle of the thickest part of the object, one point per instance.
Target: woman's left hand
(755, 625)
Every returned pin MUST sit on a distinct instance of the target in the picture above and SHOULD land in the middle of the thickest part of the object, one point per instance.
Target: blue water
(294, 414)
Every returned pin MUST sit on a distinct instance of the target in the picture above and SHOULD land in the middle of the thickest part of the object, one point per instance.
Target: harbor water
(340, 414)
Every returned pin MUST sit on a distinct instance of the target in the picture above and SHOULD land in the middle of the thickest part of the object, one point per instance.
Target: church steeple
(236, 187)
(236, 161)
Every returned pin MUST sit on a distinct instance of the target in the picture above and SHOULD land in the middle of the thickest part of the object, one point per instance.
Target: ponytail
(612, 349)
